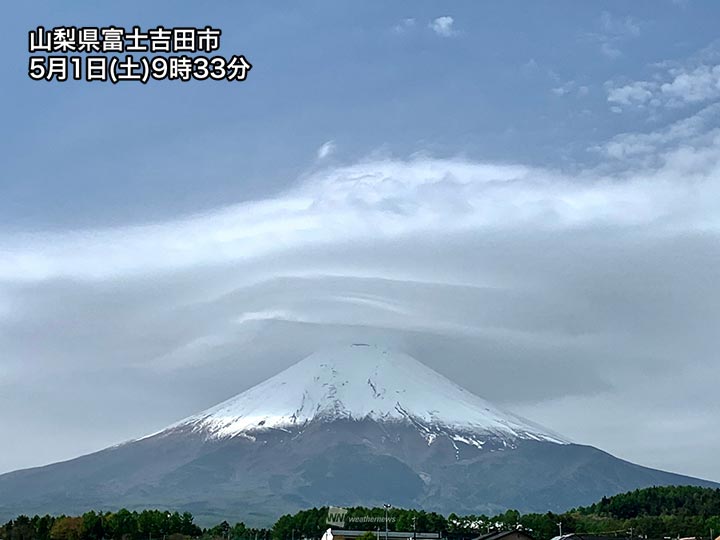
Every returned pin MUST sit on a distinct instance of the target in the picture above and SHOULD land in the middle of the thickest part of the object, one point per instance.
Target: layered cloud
(548, 291)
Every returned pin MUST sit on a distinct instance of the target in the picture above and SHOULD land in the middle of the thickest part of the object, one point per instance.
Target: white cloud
(673, 87)
(530, 66)
(610, 50)
(695, 86)
(697, 132)
(326, 149)
(636, 93)
(405, 25)
(619, 27)
(443, 26)
(613, 33)
(570, 87)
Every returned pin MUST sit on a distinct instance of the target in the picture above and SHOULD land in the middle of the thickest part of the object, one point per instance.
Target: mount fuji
(360, 425)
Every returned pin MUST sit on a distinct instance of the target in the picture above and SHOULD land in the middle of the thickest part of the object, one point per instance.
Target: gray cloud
(588, 303)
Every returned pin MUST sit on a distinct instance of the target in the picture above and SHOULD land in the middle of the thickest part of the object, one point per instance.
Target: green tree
(92, 526)
(67, 528)
(122, 525)
(22, 529)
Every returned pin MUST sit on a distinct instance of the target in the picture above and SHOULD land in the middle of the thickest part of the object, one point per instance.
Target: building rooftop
(381, 534)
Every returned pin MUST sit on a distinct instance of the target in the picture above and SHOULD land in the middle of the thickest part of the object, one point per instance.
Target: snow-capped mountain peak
(362, 382)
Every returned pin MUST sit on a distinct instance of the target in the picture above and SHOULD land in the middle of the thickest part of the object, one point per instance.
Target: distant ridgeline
(658, 512)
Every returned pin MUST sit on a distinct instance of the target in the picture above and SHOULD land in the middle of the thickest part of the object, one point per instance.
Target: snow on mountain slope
(365, 382)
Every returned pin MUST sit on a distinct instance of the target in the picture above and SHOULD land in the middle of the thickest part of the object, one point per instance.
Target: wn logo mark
(336, 516)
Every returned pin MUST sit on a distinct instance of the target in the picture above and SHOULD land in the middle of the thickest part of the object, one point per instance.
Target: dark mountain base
(341, 463)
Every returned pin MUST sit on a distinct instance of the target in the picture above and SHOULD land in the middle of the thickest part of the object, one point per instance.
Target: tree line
(670, 501)
(124, 525)
(659, 512)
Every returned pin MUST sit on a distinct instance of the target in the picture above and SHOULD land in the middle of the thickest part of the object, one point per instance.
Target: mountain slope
(356, 426)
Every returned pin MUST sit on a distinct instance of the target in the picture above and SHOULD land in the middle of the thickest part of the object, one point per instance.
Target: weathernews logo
(337, 516)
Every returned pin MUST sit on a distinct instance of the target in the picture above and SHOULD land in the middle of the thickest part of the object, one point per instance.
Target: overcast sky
(526, 198)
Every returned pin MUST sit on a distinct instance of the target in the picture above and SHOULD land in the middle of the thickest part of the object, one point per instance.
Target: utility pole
(414, 530)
